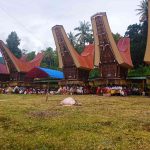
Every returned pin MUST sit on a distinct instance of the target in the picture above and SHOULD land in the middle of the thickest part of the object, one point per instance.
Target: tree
(117, 37)
(13, 42)
(72, 38)
(84, 34)
(90, 38)
(143, 10)
(31, 56)
(138, 35)
(24, 51)
(95, 73)
(50, 59)
(138, 43)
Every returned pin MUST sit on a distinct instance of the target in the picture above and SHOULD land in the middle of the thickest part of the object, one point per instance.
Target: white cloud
(33, 20)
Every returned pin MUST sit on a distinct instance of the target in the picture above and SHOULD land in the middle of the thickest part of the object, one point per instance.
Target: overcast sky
(33, 19)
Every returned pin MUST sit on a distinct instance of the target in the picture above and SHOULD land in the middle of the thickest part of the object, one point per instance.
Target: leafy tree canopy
(84, 32)
(50, 59)
(30, 55)
(143, 10)
(117, 37)
(24, 51)
(72, 38)
(82, 37)
(138, 36)
(138, 43)
(141, 71)
(95, 73)
(13, 42)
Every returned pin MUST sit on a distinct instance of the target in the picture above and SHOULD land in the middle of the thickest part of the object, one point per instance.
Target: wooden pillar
(143, 84)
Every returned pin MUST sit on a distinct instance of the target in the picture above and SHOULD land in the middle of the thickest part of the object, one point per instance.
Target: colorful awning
(39, 72)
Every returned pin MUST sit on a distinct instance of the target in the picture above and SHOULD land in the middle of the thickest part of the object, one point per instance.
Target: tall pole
(47, 91)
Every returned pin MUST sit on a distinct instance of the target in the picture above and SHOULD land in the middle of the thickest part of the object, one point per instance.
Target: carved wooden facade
(108, 64)
(147, 52)
(14, 74)
(9, 64)
(66, 60)
(17, 68)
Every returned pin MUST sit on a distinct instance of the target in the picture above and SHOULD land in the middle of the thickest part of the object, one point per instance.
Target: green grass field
(104, 123)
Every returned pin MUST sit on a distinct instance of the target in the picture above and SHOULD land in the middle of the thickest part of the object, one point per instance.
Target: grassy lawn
(114, 123)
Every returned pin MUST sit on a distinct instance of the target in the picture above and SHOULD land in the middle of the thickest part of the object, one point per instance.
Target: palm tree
(72, 38)
(143, 10)
(84, 33)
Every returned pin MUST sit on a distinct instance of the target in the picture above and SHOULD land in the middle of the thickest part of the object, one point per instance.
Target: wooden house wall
(4, 77)
(8, 60)
(69, 68)
(108, 65)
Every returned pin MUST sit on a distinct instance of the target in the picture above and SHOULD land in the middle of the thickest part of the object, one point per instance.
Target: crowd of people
(61, 90)
(119, 90)
(76, 89)
(23, 90)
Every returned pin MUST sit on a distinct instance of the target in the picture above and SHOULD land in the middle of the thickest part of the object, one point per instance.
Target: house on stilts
(76, 67)
(113, 60)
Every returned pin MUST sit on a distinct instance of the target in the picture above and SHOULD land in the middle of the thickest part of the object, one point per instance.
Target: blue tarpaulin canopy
(39, 72)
